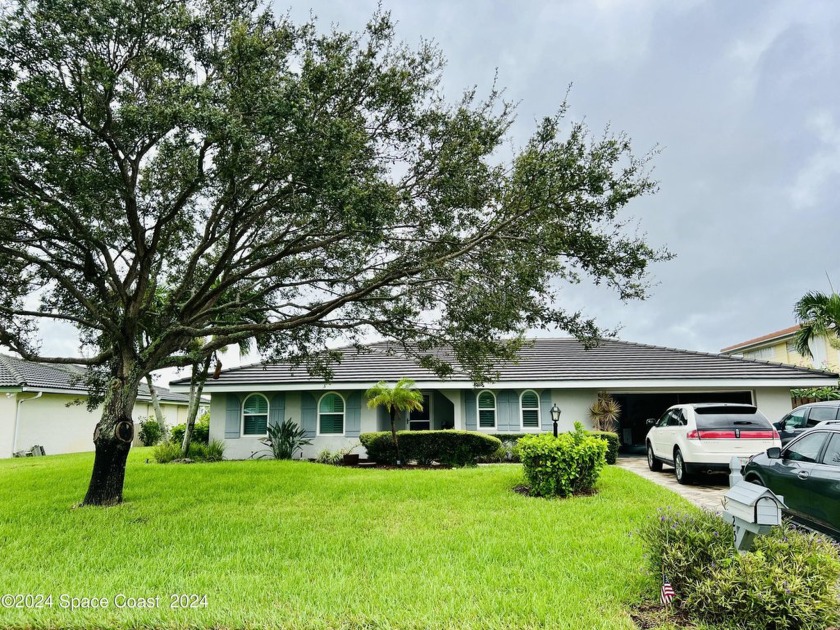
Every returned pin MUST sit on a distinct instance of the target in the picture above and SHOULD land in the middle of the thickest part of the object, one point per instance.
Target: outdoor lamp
(555, 417)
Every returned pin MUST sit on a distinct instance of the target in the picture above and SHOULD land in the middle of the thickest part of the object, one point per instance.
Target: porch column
(456, 398)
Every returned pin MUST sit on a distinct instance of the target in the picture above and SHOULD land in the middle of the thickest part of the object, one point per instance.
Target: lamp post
(555, 417)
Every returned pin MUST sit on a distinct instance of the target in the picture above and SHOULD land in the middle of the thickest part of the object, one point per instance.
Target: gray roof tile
(555, 359)
(16, 372)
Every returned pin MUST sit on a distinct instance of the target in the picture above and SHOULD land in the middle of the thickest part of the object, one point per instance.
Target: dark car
(806, 473)
(806, 417)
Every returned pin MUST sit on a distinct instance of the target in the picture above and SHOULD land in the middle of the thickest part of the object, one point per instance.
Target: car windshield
(744, 418)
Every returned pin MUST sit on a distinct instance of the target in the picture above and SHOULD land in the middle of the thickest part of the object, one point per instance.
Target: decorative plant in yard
(819, 316)
(564, 465)
(285, 439)
(400, 398)
(605, 412)
(790, 579)
(178, 177)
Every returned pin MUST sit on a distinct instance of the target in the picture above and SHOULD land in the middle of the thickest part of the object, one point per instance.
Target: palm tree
(401, 397)
(819, 316)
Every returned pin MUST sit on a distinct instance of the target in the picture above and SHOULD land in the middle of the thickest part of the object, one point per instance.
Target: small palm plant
(401, 397)
(819, 316)
(285, 439)
(605, 413)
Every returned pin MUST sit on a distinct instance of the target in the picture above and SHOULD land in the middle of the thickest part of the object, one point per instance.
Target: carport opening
(637, 408)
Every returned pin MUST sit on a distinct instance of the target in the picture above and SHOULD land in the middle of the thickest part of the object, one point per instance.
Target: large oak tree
(177, 177)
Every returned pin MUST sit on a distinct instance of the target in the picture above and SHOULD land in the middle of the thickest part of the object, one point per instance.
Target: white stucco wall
(59, 426)
(574, 407)
(773, 402)
(56, 424)
(7, 423)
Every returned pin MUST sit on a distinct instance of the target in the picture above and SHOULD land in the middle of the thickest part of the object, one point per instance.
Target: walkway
(706, 491)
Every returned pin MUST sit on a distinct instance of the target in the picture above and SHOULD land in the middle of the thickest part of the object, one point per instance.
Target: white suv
(703, 437)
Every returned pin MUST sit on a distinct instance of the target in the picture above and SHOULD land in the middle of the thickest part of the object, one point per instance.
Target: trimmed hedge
(612, 443)
(449, 448)
(562, 465)
(788, 581)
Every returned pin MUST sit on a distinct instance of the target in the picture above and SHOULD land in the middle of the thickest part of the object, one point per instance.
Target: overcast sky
(742, 96)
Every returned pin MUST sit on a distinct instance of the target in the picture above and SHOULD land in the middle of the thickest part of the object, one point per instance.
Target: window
(255, 415)
(486, 410)
(832, 453)
(807, 449)
(421, 420)
(818, 414)
(529, 406)
(794, 420)
(331, 415)
(762, 354)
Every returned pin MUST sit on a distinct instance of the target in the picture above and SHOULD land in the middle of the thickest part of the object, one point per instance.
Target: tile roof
(785, 332)
(16, 372)
(555, 359)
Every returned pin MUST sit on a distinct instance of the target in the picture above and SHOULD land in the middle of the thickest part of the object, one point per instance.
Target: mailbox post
(752, 510)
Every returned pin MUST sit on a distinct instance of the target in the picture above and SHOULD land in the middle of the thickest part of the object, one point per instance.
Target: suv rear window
(731, 418)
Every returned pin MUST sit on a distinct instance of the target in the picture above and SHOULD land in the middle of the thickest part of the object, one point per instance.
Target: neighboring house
(779, 346)
(37, 406)
(644, 379)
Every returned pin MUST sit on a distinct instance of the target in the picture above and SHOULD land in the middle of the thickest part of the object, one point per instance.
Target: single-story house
(644, 379)
(38, 405)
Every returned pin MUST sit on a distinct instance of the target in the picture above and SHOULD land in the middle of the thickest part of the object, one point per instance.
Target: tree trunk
(394, 433)
(155, 402)
(112, 439)
(199, 376)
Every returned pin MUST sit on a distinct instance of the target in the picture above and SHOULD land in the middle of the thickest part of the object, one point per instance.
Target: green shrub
(449, 448)
(789, 580)
(612, 443)
(165, 452)
(150, 432)
(200, 434)
(685, 544)
(562, 465)
(510, 437)
(508, 452)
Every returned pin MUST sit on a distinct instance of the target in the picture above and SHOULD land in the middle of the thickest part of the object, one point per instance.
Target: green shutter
(255, 415)
(332, 403)
(255, 404)
(256, 424)
(486, 400)
(332, 423)
(530, 418)
(486, 418)
(530, 410)
(331, 414)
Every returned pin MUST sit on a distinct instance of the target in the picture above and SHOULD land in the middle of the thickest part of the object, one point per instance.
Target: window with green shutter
(255, 415)
(529, 404)
(331, 415)
(486, 410)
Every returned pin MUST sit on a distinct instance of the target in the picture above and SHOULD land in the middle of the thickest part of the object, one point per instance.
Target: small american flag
(667, 594)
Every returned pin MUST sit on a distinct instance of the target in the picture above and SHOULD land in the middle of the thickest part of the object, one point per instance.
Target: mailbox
(752, 510)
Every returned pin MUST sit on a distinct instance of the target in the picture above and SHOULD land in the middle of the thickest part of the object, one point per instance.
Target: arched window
(331, 415)
(486, 410)
(255, 415)
(529, 409)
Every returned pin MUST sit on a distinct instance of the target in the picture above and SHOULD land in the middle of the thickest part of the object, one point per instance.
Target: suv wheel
(679, 468)
(654, 464)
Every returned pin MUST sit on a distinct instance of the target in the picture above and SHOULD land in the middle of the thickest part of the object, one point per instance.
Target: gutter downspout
(17, 419)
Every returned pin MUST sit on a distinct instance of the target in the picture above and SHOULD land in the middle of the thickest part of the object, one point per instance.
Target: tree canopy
(176, 177)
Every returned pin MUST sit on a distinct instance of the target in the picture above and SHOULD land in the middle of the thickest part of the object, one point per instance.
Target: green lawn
(299, 545)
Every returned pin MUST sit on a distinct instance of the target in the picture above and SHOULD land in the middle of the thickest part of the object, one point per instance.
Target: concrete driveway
(706, 491)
